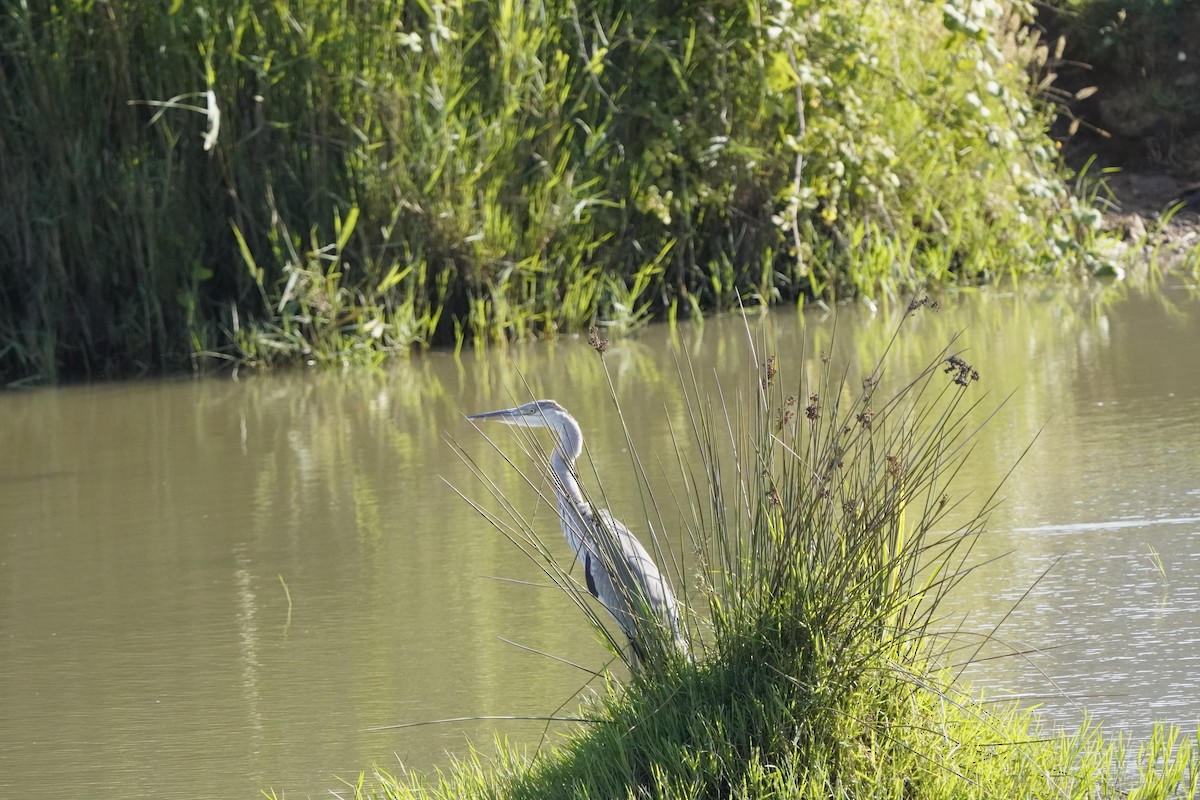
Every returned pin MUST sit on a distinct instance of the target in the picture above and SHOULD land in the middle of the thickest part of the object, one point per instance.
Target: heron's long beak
(509, 415)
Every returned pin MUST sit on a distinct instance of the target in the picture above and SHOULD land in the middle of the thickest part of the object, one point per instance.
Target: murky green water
(151, 535)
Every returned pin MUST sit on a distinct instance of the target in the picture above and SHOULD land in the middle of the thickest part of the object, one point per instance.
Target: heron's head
(538, 414)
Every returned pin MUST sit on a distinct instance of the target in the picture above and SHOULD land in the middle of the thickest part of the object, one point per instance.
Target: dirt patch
(1152, 196)
(1157, 210)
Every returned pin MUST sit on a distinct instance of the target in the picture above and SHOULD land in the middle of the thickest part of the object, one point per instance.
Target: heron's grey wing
(600, 584)
(637, 578)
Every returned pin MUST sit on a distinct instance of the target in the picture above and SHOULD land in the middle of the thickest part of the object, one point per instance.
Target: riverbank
(1156, 212)
(229, 184)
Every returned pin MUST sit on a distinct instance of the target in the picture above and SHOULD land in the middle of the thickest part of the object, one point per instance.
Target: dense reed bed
(257, 182)
(823, 529)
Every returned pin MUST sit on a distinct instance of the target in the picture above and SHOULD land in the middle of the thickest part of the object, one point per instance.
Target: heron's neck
(562, 461)
(572, 508)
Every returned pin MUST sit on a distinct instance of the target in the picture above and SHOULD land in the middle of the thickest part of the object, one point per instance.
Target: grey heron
(616, 567)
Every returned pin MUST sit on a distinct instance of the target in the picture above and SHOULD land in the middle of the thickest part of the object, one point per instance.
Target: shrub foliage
(320, 180)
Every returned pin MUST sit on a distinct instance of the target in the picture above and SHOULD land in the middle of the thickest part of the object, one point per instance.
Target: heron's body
(617, 569)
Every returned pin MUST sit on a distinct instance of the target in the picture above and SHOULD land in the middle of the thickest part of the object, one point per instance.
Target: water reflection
(145, 529)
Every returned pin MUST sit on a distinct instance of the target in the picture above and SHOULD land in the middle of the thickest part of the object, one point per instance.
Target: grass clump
(826, 529)
(320, 181)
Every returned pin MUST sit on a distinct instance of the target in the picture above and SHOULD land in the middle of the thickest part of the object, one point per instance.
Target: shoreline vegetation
(826, 527)
(314, 182)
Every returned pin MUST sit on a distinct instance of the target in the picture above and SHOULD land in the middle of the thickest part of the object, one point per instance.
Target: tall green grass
(826, 527)
(321, 181)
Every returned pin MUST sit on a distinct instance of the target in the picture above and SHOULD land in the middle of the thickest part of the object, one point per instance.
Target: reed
(323, 182)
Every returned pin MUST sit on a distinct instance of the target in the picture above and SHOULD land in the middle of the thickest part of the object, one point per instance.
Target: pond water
(212, 587)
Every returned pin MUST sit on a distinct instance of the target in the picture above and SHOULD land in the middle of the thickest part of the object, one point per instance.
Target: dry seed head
(770, 371)
(915, 304)
(598, 344)
(786, 414)
(964, 373)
